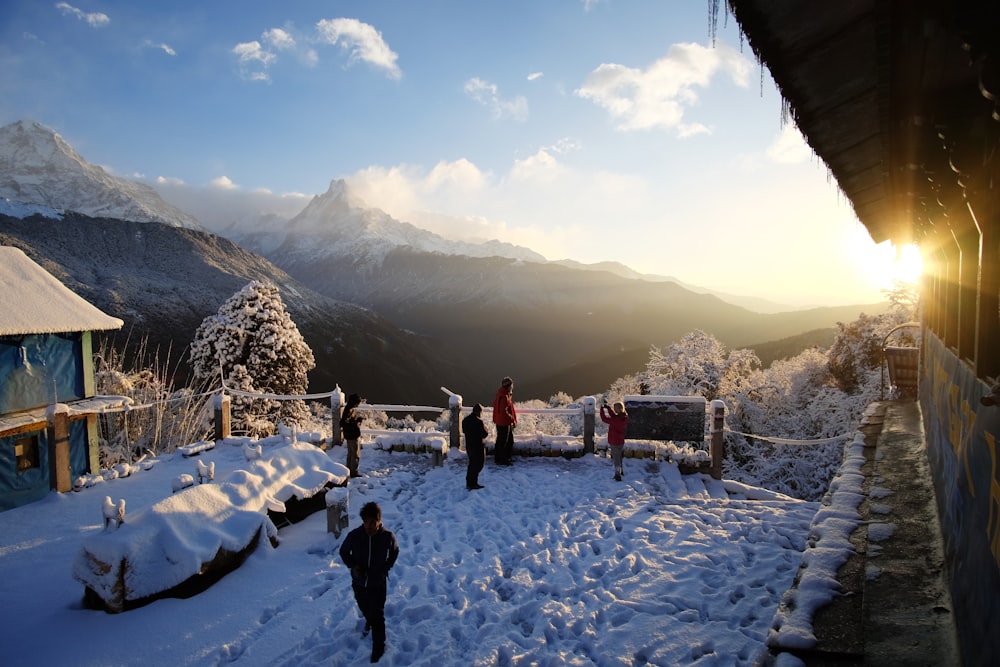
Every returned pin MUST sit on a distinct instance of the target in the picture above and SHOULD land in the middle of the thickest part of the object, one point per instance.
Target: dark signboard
(677, 418)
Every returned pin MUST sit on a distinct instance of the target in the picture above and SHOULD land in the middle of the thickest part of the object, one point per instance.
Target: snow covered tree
(254, 342)
(816, 395)
(698, 365)
(857, 349)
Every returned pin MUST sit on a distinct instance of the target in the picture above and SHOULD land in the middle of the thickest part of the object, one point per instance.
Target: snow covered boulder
(185, 542)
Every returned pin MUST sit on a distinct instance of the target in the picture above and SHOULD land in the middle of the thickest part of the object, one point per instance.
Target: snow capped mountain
(38, 167)
(339, 224)
(22, 210)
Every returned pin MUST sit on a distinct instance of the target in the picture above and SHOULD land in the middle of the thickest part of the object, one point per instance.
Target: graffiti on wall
(961, 436)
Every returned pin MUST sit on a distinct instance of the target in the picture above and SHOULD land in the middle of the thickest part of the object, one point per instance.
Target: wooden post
(93, 445)
(336, 412)
(337, 518)
(589, 422)
(223, 416)
(455, 405)
(718, 450)
(57, 433)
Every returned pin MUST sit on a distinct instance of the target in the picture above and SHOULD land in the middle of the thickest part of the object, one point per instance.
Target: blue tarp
(39, 370)
(20, 488)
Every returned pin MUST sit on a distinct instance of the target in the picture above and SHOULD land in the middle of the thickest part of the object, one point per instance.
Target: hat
(992, 398)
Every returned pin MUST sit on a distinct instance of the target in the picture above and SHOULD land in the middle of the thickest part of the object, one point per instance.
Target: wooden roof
(897, 97)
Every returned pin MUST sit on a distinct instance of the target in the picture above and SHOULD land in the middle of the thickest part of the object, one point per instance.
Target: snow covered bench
(187, 541)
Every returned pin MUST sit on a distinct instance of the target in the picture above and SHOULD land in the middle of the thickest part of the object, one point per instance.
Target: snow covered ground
(552, 563)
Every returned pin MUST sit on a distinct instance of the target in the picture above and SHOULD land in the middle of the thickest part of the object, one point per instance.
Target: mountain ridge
(38, 167)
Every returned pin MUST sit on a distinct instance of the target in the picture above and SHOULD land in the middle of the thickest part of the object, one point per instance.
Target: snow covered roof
(32, 301)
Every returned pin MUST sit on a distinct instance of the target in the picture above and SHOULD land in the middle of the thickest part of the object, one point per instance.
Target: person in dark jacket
(505, 418)
(370, 551)
(350, 427)
(617, 421)
(475, 432)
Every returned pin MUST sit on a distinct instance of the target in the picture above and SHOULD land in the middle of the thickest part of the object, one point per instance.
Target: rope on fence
(151, 404)
(274, 397)
(788, 441)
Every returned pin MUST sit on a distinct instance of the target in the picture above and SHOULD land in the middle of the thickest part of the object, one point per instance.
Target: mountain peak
(34, 145)
(38, 167)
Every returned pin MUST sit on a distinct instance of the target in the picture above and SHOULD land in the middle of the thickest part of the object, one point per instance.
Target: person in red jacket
(617, 421)
(505, 418)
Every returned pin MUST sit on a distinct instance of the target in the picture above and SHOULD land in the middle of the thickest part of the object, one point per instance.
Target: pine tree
(254, 343)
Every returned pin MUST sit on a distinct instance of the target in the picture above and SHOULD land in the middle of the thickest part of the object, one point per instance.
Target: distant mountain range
(387, 307)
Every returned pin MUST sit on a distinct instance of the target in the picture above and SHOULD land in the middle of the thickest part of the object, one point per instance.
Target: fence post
(336, 412)
(455, 404)
(589, 405)
(223, 416)
(337, 500)
(718, 449)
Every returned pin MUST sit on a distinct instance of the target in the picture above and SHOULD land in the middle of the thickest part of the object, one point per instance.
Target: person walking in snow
(370, 551)
(505, 419)
(617, 421)
(475, 432)
(350, 427)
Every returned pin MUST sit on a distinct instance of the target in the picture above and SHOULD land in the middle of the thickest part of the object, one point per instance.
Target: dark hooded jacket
(369, 557)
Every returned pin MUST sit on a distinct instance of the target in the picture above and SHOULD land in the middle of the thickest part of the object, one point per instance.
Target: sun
(908, 264)
(889, 265)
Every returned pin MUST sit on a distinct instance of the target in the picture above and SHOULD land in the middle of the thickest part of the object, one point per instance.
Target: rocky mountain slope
(163, 281)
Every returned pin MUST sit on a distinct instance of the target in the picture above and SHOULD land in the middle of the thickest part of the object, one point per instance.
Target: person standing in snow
(350, 427)
(370, 551)
(505, 418)
(475, 432)
(617, 421)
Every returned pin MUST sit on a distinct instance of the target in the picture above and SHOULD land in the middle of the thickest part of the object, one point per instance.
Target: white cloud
(789, 147)
(254, 60)
(658, 96)
(223, 183)
(166, 48)
(541, 202)
(93, 19)
(487, 94)
(535, 75)
(362, 42)
(279, 39)
(221, 203)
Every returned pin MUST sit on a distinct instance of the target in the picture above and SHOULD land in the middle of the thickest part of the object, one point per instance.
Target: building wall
(26, 486)
(962, 448)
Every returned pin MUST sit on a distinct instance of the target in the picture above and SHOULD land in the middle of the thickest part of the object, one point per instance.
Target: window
(26, 451)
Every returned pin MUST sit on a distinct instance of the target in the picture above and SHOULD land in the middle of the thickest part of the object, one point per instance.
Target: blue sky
(591, 130)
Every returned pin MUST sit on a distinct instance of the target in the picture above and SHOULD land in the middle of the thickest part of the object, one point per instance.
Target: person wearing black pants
(505, 418)
(475, 432)
(370, 551)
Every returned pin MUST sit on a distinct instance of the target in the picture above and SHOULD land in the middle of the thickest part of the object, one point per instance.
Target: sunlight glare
(909, 265)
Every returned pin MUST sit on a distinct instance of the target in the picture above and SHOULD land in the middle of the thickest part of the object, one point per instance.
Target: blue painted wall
(962, 442)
